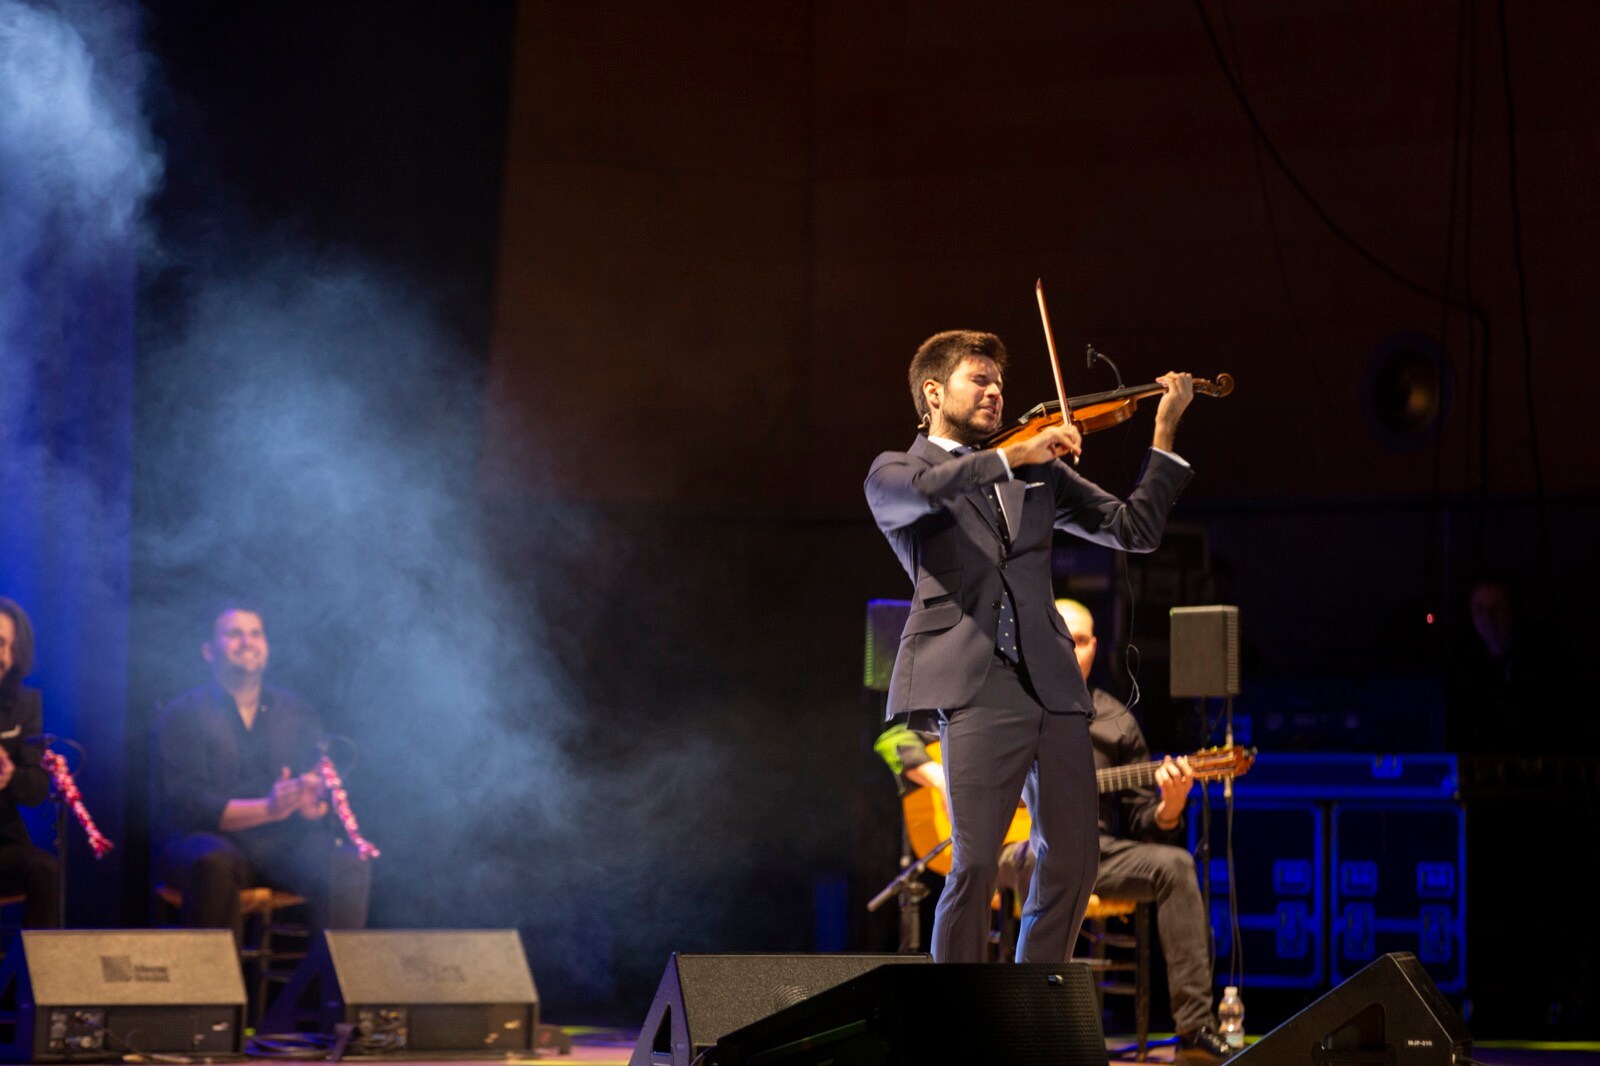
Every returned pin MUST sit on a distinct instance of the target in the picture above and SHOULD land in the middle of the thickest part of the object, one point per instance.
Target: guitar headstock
(1230, 760)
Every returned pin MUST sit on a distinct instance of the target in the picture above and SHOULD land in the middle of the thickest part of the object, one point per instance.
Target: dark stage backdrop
(525, 360)
(727, 228)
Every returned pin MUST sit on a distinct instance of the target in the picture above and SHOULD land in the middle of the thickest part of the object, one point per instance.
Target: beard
(965, 426)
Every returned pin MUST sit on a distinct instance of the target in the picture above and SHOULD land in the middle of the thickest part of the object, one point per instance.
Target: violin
(1095, 410)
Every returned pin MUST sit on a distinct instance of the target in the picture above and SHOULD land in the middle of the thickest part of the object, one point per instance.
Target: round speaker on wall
(1407, 391)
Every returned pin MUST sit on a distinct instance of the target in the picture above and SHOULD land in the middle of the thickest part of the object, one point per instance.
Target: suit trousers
(1005, 745)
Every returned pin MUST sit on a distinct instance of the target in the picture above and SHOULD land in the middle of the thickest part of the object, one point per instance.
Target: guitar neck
(1117, 778)
(1205, 766)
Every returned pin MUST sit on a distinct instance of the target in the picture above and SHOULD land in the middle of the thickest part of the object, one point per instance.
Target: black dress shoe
(1203, 1045)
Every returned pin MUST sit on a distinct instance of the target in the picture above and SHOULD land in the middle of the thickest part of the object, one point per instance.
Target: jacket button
(995, 605)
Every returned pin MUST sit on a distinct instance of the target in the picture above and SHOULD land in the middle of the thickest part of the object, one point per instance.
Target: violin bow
(1055, 361)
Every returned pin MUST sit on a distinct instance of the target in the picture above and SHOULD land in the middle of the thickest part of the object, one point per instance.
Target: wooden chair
(1126, 973)
(260, 955)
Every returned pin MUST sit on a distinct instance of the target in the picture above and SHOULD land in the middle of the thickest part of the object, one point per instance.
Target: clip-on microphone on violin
(1095, 357)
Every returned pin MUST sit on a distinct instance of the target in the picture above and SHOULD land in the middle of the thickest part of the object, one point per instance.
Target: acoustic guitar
(928, 820)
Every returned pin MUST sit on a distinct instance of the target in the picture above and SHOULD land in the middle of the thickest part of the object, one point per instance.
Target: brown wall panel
(651, 292)
(746, 219)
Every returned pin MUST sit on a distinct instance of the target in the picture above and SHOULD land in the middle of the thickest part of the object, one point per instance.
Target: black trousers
(210, 869)
(1002, 747)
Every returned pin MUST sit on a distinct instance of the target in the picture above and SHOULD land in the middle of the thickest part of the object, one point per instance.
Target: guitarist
(1139, 853)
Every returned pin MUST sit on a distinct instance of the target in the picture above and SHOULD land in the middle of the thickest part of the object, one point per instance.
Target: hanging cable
(1306, 347)
(1546, 555)
(1299, 186)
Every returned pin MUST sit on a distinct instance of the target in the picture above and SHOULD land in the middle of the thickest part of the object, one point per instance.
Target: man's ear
(932, 393)
(206, 652)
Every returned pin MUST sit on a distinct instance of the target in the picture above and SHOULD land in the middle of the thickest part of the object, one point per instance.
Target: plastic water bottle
(1230, 1014)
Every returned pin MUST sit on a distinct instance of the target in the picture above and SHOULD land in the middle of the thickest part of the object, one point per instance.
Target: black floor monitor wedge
(703, 997)
(1388, 1014)
(413, 991)
(1028, 1014)
(85, 995)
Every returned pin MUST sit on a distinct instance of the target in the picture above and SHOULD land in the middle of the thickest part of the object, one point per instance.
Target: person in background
(240, 801)
(24, 867)
(1505, 673)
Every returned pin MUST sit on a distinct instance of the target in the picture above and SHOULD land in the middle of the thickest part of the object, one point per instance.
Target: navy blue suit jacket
(931, 506)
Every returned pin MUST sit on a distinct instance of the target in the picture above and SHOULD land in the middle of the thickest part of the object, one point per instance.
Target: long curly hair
(21, 650)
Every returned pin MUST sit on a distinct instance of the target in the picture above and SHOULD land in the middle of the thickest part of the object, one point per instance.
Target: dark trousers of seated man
(31, 872)
(1150, 873)
(211, 869)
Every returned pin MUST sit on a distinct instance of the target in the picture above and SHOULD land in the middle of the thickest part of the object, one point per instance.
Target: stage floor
(612, 1047)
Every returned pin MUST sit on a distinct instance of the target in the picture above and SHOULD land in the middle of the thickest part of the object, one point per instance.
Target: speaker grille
(703, 997)
(458, 1027)
(172, 1029)
(723, 992)
(1205, 651)
(1021, 1015)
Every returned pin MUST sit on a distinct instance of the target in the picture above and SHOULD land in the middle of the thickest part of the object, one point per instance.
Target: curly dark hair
(942, 353)
(21, 648)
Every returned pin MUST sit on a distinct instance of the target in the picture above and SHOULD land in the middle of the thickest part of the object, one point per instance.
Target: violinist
(985, 658)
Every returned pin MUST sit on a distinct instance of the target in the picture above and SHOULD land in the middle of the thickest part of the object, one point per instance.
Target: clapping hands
(301, 795)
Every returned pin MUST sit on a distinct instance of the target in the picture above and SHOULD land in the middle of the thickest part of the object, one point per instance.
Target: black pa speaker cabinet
(1030, 1014)
(414, 991)
(1390, 1012)
(1205, 651)
(85, 995)
(885, 620)
(703, 997)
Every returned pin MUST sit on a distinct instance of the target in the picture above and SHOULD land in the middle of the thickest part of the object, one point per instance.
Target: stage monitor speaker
(1389, 1012)
(703, 997)
(1205, 651)
(885, 620)
(408, 991)
(1029, 1014)
(101, 994)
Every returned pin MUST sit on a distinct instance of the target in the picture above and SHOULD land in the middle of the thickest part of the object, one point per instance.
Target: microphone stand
(61, 844)
(61, 860)
(911, 891)
(44, 740)
(1203, 844)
